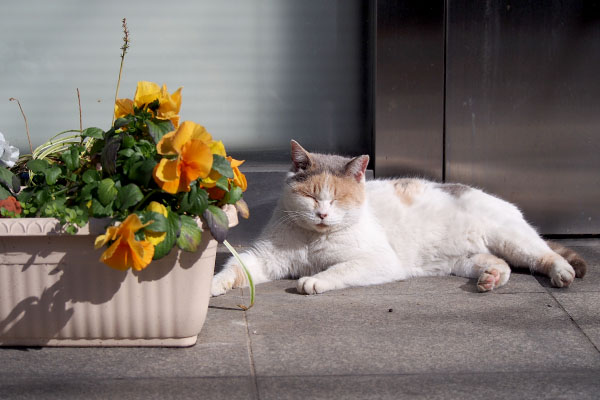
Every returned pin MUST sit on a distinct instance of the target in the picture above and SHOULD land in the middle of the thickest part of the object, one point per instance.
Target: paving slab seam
(251, 357)
(444, 373)
(551, 293)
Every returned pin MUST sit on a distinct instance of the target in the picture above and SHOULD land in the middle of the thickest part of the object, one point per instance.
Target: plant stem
(146, 197)
(26, 124)
(246, 271)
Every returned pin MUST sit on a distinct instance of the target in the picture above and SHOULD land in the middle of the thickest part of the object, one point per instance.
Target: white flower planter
(55, 292)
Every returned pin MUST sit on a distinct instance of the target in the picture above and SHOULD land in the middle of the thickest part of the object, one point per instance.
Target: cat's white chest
(329, 249)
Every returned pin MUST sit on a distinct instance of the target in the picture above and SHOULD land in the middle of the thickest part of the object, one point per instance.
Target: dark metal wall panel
(409, 88)
(523, 107)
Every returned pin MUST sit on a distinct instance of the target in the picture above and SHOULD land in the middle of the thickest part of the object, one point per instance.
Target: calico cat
(333, 230)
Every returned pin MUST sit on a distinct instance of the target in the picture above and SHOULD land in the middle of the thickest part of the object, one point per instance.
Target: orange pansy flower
(125, 252)
(191, 145)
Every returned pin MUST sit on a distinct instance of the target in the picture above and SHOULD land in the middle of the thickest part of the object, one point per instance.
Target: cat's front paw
(312, 285)
(562, 274)
(492, 277)
(221, 284)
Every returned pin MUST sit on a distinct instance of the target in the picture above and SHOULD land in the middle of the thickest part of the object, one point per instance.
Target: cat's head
(324, 192)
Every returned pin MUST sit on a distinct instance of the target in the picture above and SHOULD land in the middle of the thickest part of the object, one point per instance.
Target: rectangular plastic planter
(54, 291)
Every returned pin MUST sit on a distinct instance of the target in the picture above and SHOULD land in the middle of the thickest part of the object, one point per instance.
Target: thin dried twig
(80, 120)
(26, 124)
(123, 52)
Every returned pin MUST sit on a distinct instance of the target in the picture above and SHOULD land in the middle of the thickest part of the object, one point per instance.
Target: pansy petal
(167, 175)
(165, 144)
(116, 256)
(123, 107)
(155, 237)
(131, 225)
(217, 147)
(240, 179)
(197, 158)
(157, 207)
(187, 131)
(110, 234)
(146, 93)
(141, 254)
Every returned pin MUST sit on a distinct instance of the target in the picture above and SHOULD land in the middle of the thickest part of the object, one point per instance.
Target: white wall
(255, 73)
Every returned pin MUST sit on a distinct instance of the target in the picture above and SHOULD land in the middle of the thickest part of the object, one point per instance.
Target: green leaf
(129, 195)
(217, 222)
(99, 211)
(52, 175)
(173, 226)
(121, 122)
(158, 128)
(222, 166)
(195, 201)
(109, 155)
(107, 191)
(141, 171)
(222, 183)
(95, 133)
(42, 196)
(233, 195)
(128, 141)
(4, 193)
(71, 157)
(9, 180)
(38, 165)
(190, 236)
(126, 153)
(90, 176)
(86, 192)
(159, 224)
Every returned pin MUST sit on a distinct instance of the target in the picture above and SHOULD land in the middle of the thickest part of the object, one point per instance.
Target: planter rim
(52, 227)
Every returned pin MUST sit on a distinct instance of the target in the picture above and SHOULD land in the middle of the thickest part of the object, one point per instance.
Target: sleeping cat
(333, 230)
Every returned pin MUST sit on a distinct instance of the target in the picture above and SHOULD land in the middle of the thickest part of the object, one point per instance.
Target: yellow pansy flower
(190, 143)
(152, 236)
(123, 107)
(125, 252)
(146, 93)
(168, 104)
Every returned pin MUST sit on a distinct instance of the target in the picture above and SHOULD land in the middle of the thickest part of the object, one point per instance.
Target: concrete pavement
(430, 338)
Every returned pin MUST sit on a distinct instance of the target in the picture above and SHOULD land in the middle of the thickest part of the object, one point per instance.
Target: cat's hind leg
(490, 271)
(524, 248)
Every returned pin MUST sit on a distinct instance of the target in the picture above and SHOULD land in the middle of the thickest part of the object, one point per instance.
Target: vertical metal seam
(373, 83)
(445, 80)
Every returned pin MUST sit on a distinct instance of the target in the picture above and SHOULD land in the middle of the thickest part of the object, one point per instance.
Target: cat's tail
(576, 261)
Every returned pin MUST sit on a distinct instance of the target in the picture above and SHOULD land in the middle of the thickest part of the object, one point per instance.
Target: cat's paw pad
(310, 285)
(492, 278)
(561, 275)
(488, 280)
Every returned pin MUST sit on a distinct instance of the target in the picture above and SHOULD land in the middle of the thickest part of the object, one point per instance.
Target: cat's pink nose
(321, 215)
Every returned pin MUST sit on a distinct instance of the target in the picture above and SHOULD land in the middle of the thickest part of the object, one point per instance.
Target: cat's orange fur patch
(344, 189)
(576, 261)
(407, 190)
(240, 278)
(545, 263)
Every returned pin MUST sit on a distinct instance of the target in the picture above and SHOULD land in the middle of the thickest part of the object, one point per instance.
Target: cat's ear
(300, 157)
(357, 167)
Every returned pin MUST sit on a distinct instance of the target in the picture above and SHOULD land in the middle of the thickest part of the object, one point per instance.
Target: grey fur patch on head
(305, 164)
(454, 189)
